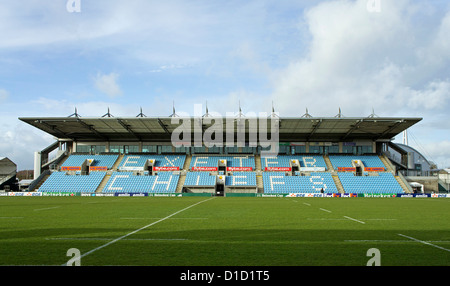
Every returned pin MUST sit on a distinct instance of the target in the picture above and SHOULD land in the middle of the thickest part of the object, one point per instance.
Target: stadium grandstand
(135, 155)
(8, 172)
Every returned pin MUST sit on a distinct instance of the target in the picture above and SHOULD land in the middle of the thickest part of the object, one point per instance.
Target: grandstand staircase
(259, 184)
(182, 178)
(40, 183)
(333, 172)
(258, 169)
(387, 164)
(402, 184)
(258, 166)
(328, 163)
(105, 180)
(62, 162)
(187, 162)
(338, 184)
(180, 184)
(117, 163)
(390, 168)
(103, 183)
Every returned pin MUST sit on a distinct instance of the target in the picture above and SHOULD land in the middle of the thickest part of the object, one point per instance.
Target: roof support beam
(92, 129)
(390, 129)
(127, 127)
(315, 127)
(54, 129)
(163, 126)
(356, 126)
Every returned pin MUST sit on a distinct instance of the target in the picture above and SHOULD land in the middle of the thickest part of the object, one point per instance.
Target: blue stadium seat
(283, 161)
(240, 179)
(136, 162)
(370, 161)
(383, 183)
(232, 161)
(199, 179)
(205, 179)
(99, 160)
(278, 182)
(61, 182)
(164, 182)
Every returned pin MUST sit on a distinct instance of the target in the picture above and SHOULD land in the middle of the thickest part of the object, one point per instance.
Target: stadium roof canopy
(159, 129)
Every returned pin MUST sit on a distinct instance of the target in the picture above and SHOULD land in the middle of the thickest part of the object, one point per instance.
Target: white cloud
(358, 60)
(107, 83)
(19, 141)
(37, 23)
(437, 152)
(165, 68)
(434, 96)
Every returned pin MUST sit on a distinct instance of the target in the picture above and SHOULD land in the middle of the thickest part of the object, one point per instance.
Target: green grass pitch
(233, 231)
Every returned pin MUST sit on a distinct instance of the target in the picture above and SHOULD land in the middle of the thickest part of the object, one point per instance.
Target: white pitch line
(347, 217)
(380, 219)
(307, 204)
(137, 230)
(377, 240)
(47, 208)
(391, 240)
(325, 210)
(104, 238)
(331, 219)
(132, 218)
(424, 242)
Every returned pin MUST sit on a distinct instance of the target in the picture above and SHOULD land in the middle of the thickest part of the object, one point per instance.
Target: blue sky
(320, 55)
